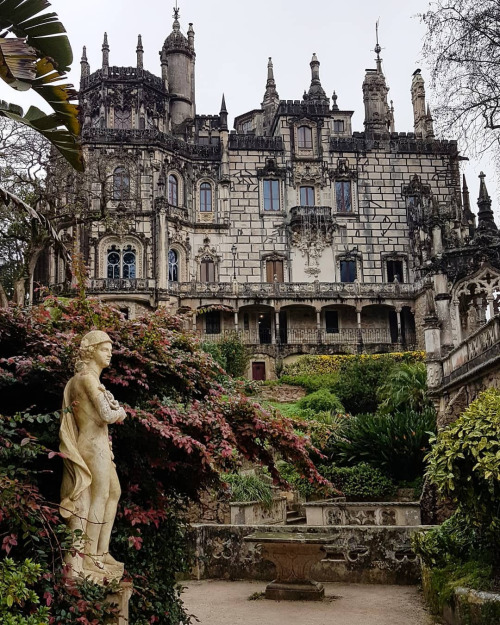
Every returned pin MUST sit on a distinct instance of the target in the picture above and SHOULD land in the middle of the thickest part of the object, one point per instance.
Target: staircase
(294, 515)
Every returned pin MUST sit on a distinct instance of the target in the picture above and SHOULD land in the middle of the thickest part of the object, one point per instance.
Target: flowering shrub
(183, 427)
(320, 365)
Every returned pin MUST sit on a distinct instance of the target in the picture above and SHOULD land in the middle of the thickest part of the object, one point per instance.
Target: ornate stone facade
(308, 236)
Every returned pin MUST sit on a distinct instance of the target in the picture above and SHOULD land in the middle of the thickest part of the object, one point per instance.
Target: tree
(37, 58)
(462, 45)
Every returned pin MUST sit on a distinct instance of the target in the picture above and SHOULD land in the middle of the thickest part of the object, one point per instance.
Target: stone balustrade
(120, 285)
(478, 349)
(336, 512)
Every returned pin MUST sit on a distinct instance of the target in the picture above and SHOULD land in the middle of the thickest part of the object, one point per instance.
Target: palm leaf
(37, 60)
(50, 126)
(44, 32)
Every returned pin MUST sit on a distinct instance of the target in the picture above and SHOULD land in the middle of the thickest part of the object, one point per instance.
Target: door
(264, 328)
(258, 370)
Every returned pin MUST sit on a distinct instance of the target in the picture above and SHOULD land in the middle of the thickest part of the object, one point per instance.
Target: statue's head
(88, 346)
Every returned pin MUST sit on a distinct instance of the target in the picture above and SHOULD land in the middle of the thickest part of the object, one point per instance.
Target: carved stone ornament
(312, 244)
(309, 173)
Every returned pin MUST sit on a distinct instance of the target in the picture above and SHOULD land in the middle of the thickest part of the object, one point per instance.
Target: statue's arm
(108, 409)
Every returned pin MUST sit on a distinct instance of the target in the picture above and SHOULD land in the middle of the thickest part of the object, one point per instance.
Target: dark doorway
(258, 370)
(283, 328)
(264, 328)
(393, 326)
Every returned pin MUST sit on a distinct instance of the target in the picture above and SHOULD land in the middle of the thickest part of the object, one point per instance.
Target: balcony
(121, 285)
(176, 212)
(315, 217)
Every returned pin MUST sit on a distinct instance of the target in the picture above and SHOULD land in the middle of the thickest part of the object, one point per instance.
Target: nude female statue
(90, 489)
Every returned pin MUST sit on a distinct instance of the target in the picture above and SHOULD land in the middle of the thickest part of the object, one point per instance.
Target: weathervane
(176, 11)
(377, 47)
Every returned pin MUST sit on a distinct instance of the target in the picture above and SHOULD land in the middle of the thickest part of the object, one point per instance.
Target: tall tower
(418, 103)
(271, 99)
(178, 66)
(378, 116)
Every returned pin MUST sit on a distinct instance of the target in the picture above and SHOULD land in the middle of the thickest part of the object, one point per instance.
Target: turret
(84, 64)
(271, 99)
(178, 65)
(140, 53)
(377, 112)
(418, 103)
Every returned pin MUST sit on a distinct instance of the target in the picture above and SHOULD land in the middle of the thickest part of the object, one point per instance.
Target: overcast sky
(234, 39)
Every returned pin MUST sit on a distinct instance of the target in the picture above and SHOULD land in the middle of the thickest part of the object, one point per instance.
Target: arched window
(207, 270)
(304, 137)
(206, 197)
(129, 265)
(121, 184)
(173, 190)
(173, 266)
(121, 263)
(307, 196)
(113, 263)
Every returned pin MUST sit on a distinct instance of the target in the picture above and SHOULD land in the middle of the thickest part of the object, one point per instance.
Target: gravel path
(216, 602)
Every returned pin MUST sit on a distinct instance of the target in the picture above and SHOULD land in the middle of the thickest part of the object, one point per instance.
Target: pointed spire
(316, 91)
(271, 94)
(486, 220)
(465, 196)
(378, 50)
(84, 64)
(223, 114)
(140, 53)
(105, 51)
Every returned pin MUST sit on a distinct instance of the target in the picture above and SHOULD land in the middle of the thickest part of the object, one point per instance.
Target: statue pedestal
(121, 598)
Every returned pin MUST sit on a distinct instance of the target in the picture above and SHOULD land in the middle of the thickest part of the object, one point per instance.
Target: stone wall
(379, 555)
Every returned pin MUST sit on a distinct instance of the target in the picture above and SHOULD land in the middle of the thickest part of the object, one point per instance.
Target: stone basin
(294, 555)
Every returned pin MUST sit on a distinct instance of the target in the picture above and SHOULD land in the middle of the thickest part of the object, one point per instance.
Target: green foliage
(396, 444)
(230, 353)
(359, 482)
(311, 382)
(249, 487)
(405, 387)
(324, 365)
(19, 602)
(358, 380)
(321, 401)
(464, 464)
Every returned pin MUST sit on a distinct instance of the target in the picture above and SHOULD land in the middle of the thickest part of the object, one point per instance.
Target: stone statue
(90, 488)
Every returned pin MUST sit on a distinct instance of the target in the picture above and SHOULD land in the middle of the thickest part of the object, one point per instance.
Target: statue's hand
(122, 416)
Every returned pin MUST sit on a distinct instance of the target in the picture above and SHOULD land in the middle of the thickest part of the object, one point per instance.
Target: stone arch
(120, 243)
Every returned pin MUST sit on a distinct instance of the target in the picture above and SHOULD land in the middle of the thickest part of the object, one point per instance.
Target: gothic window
(395, 270)
(207, 270)
(307, 196)
(271, 195)
(121, 184)
(121, 263)
(123, 119)
(304, 137)
(246, 322)
(343, 196)
(212, 322)
(338, 125)
(274, 270)
(173, 266)
(206, 197)
(129, 264)
(113, 263)
(173, 190)
(347, 270)
(332, 321)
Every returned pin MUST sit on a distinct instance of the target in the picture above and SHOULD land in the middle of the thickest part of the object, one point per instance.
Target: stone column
(277, 326)
(318, 324)
(236, 327)
(398, 317)
(162, 252)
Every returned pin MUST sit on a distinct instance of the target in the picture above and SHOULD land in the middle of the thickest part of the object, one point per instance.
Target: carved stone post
(162, 252)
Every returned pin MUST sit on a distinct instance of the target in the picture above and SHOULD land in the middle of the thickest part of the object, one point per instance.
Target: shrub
(311, 382)
(358, 380)
(321, 401)
(359, 482)
(406, 387)
(19, 603)
(230, 353)
(324, 365)
(464, 464)
(396, 444)
(249, 488)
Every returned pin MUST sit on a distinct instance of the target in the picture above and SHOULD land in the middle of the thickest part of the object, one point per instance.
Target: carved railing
(478, 349)
(312, 336)
(319, 216)
(161, 203)
(200, 289)
(122, 285)
(151, 135)
(252, 142)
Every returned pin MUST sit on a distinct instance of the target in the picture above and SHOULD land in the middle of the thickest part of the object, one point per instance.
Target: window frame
(304, 137)
(207, 270)
(173, 268)
(352, 262)
(332, 329)
(340, 196)
(173, 190)
(389, 261)
(275, 267)
(203, 194)
(338, 126)
(118, 268)
(213, 322)
(306, 189)
(121, 183)
(274, 196)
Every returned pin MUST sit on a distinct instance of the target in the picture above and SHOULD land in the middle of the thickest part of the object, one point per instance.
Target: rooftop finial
(378, 49)
(486, 220)
(271, 94)
(105, 51)
(176, 11)
(140, 53)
